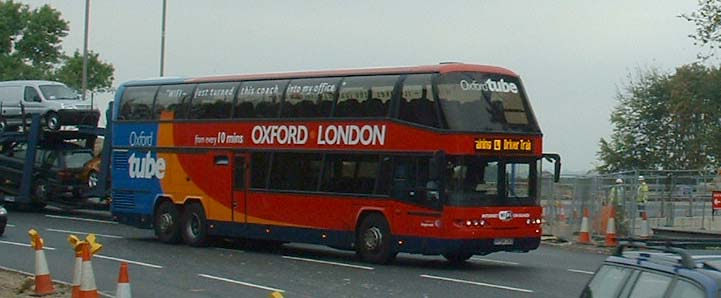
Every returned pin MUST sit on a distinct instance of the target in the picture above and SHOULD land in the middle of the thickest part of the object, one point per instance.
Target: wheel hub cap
(372, 238)
(166, 221)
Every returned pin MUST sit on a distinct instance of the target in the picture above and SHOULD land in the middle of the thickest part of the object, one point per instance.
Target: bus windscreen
(472, 101)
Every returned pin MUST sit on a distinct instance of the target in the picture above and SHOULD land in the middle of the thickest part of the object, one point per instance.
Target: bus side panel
(202, 176)
(299, 210)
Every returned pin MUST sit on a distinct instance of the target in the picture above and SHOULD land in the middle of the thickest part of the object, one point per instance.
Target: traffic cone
(611, 239)
(75, 286)
(561, 213)
(123, 289)
(87, 277)
(584, 236)
(76, 274)
(645, 230)
(43, 281)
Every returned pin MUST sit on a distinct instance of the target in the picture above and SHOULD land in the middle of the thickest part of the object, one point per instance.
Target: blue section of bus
(135, 135)
(136, 169)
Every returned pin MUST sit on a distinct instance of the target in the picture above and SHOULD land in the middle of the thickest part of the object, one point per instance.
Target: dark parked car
(659, 270)
(3, 219)
(57, 174)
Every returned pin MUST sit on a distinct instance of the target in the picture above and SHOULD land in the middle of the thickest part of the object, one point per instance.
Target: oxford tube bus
(442, 159)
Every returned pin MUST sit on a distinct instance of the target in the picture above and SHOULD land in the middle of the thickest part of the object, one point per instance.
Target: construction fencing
(676, 199)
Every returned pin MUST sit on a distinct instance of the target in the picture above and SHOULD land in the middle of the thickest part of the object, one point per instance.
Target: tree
(30, 48)
(666, 121)
(29, 41)
(707, 20)
(100, 74)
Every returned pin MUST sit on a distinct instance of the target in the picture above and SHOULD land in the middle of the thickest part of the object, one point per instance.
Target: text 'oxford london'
(349, 135)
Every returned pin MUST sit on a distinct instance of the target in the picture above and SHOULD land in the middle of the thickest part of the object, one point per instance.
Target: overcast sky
(573, 56)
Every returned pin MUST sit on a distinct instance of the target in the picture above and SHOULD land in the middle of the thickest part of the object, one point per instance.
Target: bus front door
(240, 184)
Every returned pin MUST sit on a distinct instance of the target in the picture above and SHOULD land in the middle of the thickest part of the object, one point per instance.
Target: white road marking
(476, 283)
(329, 263)
(494, 261)
(25, 244)
(581, 271)
(81, 219)
(128, 261)
(241, 283)
(84, 233)
(10, 226)
(229, 250)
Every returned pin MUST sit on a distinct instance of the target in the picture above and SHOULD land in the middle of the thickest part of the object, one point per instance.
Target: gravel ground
(14, 285)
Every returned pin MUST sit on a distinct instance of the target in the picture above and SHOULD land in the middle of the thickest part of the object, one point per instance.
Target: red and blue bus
(442, 159)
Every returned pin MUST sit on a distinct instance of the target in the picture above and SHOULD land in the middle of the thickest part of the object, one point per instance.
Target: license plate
(503, 241)
(9, 198)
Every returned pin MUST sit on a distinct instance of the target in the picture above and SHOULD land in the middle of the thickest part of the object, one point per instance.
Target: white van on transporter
(56, 103)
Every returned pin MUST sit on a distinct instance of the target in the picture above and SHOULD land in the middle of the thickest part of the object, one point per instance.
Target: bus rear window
(137, 103)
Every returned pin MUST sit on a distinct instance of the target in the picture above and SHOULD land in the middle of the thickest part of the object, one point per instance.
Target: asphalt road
(233, 269)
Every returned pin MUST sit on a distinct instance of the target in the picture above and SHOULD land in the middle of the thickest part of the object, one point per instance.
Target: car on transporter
(688, 269)
(57, 172)
(56, 103)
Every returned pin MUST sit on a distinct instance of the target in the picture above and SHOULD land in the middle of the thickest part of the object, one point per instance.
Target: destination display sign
(506, 145)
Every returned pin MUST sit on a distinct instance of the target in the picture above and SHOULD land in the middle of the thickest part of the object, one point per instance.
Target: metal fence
(676, 199)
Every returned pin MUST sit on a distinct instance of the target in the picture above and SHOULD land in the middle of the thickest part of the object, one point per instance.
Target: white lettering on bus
(489, 85)
(351, 135)
(280, 134)
(146, 167)
(140, 139)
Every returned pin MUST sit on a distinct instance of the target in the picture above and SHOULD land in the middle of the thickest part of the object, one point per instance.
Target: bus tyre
(193, 225)
(457, 257)
(373, 240)
(167, 222)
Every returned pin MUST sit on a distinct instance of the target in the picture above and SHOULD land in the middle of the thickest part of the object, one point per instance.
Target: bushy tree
(666, 121)
(31, 49)
(707, 20)
(100, 74)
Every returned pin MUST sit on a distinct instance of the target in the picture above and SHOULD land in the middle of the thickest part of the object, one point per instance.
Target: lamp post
(162, 41)
(85, 50)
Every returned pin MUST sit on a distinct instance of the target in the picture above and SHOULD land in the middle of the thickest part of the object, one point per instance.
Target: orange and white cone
(87, 277)
(645, 232)
(611, 239)
(562, 213)
(123, 289)
(76, 274)
(43, 281)
(584, 236)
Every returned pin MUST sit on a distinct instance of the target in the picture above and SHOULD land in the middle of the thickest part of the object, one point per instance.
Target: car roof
(696, 260)
(29, 83)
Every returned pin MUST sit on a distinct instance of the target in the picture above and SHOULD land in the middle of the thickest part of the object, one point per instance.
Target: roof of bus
(440, 68)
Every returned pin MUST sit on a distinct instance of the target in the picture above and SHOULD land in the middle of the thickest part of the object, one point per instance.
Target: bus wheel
(457, 257)
(166, 223)
(193, 225)
(373, 241)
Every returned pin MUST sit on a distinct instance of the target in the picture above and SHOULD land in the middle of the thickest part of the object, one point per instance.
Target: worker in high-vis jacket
(616, 197)
(641, 196)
